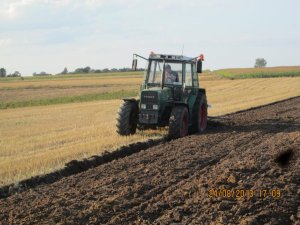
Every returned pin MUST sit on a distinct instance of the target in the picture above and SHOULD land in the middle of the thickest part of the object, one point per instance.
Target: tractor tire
(199, 114)
(127, 118)
(179, 122)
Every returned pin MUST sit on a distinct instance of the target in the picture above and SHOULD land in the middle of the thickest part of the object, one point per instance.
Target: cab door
(191, 87)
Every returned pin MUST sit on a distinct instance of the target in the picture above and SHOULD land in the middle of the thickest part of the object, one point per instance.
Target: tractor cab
(171, 71)
(170, 95)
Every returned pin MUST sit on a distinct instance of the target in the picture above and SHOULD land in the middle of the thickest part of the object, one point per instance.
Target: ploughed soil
(245, 169)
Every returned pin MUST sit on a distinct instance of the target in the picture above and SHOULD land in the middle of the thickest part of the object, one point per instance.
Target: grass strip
(261, 74)
(70, 99)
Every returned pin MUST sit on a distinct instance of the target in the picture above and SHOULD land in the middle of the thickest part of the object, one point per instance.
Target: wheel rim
(202, 117)
(184, 125)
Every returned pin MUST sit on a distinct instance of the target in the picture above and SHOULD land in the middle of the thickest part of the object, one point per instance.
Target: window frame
(161, 61)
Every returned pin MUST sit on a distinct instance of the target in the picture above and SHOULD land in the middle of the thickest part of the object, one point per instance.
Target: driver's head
(168, 68)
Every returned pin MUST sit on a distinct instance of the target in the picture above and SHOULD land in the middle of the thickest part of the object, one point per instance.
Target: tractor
(169, 96)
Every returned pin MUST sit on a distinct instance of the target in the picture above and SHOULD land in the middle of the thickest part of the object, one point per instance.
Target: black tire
(178, 122)
(199, 114)
(127, 118)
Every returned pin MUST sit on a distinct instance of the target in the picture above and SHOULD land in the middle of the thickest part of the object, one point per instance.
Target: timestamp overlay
(244, 193)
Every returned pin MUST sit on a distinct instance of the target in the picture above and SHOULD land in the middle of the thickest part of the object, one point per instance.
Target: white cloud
(96, 2)
(14, 9)
(10, 9)
(94, 32)
(5, 42)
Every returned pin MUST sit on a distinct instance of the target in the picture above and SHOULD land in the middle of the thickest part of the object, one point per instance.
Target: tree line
(83, 70)
(88, 69)
(259, 63)
(4, 74)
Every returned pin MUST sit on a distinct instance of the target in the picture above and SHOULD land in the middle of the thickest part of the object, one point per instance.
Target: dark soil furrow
(255, 150)
(130, 215)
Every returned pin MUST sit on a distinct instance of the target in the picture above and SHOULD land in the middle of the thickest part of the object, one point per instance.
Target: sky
(45, 35)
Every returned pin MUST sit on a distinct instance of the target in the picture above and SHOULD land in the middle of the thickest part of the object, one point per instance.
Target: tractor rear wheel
(179, 122)
(127, 118)
(199, 114)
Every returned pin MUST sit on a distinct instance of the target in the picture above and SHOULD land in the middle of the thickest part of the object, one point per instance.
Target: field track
(253, 150)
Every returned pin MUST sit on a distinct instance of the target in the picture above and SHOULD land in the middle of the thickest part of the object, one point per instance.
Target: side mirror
(199, 66)
(134, 64)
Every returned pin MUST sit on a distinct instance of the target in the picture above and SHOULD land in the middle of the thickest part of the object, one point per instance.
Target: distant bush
(15, 74)
(41, 74)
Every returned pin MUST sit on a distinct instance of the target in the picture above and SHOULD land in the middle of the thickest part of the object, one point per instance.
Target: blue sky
(45, 35)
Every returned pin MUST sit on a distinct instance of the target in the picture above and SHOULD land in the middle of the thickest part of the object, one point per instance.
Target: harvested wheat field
(243, 170)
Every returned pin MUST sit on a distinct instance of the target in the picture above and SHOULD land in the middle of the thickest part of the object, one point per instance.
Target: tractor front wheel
(127, 118)
(179, 122)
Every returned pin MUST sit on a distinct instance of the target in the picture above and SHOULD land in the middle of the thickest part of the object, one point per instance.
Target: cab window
(188, 75)
(195, 76)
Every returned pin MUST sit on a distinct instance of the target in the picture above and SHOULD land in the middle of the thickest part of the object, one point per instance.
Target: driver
(170, 76)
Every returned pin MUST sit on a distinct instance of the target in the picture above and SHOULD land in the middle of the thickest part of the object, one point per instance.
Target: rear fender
(202, 90)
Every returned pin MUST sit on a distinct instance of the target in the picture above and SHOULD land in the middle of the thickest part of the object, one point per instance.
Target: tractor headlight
(143, 106)
(155, 107)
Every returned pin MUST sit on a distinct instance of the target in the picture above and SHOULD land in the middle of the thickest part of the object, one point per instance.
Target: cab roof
(170, 57)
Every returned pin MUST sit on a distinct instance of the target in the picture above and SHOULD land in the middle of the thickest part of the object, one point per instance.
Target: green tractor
(169, 96)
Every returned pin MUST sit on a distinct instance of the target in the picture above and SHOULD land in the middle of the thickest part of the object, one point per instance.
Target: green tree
(87, 69)
(65, 71)
(2, 72)
(83, 70)
(260, 63)
(78, 70)
(16, 74)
